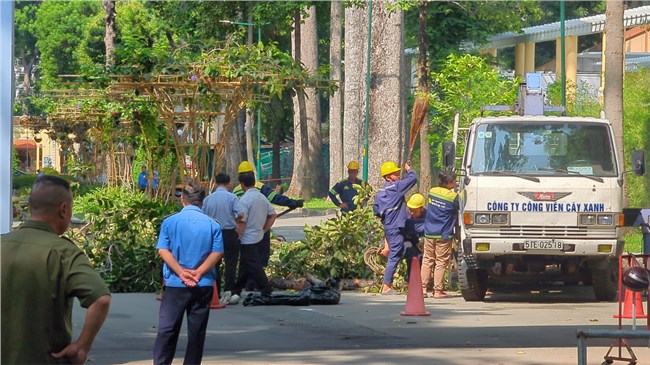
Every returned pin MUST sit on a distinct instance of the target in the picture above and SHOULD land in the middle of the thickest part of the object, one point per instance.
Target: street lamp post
(258, 163)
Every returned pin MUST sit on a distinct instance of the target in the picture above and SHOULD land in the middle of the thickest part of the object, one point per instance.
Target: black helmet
(636, 278)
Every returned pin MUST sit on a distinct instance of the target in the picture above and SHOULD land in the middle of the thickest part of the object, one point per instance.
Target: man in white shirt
(259, 216)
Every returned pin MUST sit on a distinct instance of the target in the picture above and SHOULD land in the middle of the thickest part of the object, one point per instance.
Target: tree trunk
(309, 53)
(233, 153)
(613, 91)
(337, 164)
(423, 88)
(109, 37)
(356, 35)
(300, 183)
(386, 130)
(250, 120)
(28, 65)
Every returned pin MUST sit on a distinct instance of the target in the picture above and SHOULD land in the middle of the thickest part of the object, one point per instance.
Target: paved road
(368, 329)
(291, 225)
(511, 327)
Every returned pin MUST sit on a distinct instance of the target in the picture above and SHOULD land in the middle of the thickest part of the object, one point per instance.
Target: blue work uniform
(391, 208)
(413, 230)
(442, 213)
(347, 192)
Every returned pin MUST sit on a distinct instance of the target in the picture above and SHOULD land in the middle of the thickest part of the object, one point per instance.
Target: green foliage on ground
(121, 235)
(334, 248)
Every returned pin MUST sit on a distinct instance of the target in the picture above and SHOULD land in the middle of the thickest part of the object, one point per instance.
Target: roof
(24, 143)
(574, 27)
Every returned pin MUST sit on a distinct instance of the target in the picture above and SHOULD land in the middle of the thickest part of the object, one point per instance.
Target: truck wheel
(473, 282)
(604, 277)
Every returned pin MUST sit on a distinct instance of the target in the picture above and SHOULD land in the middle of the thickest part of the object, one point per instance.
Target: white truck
(541, 199)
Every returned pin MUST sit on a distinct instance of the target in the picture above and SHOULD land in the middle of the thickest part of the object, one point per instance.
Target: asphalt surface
(515, 326)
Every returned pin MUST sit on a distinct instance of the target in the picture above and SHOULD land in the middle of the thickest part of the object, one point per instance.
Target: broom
(419, 114)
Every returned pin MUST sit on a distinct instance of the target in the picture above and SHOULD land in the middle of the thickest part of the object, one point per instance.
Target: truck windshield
(556, 149)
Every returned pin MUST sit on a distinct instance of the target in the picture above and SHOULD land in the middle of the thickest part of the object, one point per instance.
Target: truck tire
(604, 278)
(473, 282)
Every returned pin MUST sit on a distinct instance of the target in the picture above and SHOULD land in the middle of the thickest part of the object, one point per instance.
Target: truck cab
(541, 200)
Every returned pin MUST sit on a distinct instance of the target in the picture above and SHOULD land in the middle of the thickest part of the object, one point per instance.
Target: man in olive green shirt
(41, 275)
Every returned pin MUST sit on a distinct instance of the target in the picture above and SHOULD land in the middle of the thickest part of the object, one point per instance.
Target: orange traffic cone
(216, 302)
(415, 298)
(632, 297)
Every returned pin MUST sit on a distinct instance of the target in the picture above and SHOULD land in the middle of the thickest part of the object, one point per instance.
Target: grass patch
(319, 204)
(633, 242)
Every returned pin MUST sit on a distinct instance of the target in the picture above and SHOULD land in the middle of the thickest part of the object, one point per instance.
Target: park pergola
(197, 115)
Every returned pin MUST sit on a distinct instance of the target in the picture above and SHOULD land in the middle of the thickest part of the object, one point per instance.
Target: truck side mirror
(448, 154)
(638, 162)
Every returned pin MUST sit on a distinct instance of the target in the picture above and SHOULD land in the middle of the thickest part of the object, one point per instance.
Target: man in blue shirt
(224, 207)
(441, 217)
(391, 208)
(190, 244)
(143, 179)
(345, 189)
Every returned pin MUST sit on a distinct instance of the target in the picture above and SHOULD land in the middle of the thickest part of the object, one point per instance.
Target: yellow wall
(47, 150)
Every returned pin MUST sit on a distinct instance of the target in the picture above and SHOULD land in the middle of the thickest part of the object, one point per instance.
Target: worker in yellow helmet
(390, 206)
(345, 189)
(274, 197)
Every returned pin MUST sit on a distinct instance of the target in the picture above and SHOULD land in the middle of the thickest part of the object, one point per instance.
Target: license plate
(543, 245)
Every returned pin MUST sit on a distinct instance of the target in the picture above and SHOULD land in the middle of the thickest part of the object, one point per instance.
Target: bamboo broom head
(420, 110)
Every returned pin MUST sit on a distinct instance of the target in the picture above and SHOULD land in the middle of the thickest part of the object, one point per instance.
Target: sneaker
(234, 299)
(225, 297)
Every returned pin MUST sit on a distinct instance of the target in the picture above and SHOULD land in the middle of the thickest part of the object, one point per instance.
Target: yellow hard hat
(245, 166)
(353, 165)
(416, 201)
(388, 168)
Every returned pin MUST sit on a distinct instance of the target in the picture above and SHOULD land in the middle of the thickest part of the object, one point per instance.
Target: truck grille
(541, 232)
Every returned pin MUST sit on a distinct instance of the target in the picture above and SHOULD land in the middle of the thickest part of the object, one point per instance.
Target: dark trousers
(230, 258)
(249, 267)
(646, 243)
(265, 249)
(175, 303)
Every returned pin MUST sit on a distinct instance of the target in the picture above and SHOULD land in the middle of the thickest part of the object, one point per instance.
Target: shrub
(334, 248)
(121, 235)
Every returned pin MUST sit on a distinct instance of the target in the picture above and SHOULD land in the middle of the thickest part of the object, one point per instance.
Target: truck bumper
(516, 246)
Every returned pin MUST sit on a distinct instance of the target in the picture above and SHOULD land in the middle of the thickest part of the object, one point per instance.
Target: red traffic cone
(216, 302)
(415, 298)
(632, 297)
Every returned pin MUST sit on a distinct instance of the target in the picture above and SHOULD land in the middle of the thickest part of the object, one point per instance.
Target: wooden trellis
(191, 111)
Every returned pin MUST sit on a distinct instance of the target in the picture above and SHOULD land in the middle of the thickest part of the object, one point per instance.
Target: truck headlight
(606, 219)
(587, 219)
(499, 218)
(482, 218)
